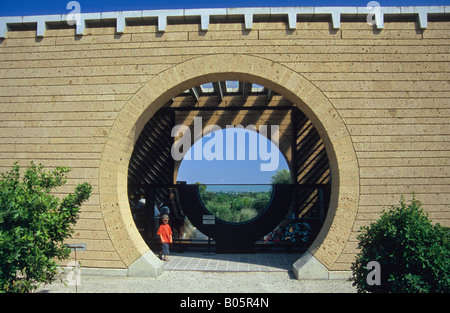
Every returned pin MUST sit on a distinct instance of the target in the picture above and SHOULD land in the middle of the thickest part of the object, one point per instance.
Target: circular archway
(233, 186)
(119, 223)
(234, 138)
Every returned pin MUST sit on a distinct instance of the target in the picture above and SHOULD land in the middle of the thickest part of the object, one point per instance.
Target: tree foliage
(34, 224)
(235, 207)
(282, 176)
(414, 254)
(238, 207)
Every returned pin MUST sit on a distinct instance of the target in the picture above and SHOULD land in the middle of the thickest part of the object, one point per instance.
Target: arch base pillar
(308, 267)
(148, 265)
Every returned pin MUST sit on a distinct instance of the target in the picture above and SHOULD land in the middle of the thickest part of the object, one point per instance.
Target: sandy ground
(202, 282)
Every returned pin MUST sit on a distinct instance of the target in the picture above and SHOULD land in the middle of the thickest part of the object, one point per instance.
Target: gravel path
(203, 282)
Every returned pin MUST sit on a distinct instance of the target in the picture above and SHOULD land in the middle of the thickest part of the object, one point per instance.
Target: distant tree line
(238, 207)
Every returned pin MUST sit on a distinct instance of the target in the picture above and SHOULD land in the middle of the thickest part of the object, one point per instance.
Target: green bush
(34, 224)
(413, 254)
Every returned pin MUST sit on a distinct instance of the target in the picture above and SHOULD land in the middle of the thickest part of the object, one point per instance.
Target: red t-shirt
(165, 231)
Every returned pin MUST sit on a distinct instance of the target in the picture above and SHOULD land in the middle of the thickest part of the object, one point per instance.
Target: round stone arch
(328, 245)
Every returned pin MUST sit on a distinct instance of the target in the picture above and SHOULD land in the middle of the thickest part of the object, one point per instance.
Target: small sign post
(209, 220)
(75, 248)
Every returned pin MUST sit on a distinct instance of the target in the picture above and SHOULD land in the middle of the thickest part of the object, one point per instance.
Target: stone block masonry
(378, 94)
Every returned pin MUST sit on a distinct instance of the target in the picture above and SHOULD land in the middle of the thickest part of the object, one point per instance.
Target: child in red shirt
(165, 235)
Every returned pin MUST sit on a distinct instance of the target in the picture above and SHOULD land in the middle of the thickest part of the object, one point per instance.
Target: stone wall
(61, 95)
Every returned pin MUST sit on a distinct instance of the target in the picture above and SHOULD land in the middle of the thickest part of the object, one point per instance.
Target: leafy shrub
(34, 224)
(414, 254)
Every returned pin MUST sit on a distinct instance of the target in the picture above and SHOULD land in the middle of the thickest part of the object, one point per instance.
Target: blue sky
(33, 7)
(234, 171)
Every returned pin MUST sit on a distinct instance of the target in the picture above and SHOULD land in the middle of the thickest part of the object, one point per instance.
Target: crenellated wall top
(291, 15)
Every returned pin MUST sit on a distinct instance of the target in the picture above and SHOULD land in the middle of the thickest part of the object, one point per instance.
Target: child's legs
(165, 249)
